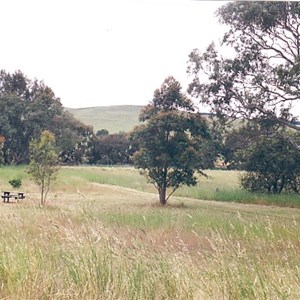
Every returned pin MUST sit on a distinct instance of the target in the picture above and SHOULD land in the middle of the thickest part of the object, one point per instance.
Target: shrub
(269, 156)
(256, 182)
(15, 183)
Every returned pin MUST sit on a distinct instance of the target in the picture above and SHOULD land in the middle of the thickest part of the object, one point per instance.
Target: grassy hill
(112, 118)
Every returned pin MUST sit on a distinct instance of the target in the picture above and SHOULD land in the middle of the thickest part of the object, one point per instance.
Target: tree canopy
(43, 164)
(271, 162)
(111, 149)
(27, 108)
(171, 140)
(260, 79)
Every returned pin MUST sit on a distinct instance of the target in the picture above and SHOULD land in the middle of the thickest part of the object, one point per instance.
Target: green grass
(220, 185)
(11, 172)
(112, 118)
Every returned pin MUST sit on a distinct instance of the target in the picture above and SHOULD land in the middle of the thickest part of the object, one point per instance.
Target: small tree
(171, 141)
(43, 162)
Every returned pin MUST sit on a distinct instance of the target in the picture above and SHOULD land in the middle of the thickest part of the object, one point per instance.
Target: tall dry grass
(117, 243)
(99, 241)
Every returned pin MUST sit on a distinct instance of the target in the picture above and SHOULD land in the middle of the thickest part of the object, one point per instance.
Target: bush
(15, 183)
(269, 156)
(256, 182)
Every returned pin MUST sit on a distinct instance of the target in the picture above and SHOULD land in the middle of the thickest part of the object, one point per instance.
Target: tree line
(257, 85)
(27, 108)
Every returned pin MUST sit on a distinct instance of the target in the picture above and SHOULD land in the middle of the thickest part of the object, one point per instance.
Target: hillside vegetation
(112, 118)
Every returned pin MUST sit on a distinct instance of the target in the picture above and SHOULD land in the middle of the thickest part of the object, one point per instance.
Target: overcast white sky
(98, 52)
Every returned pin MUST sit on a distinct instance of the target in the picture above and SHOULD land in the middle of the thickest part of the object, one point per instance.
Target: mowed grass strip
(220, 185)
(100, 241)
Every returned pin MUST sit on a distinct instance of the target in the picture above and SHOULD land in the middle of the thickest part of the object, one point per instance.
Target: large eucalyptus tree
(260, 77)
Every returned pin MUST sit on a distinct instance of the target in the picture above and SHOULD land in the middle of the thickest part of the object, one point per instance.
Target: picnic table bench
(7, 195)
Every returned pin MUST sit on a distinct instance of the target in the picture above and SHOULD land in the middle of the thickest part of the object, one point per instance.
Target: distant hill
(112, 118)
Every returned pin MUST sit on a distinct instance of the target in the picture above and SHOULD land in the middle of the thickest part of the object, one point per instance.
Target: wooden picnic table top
(17, 195)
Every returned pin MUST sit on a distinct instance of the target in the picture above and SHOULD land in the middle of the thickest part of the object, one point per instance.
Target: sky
(101, 53)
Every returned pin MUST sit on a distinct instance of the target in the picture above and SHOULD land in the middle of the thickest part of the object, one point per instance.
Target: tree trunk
(162, 195)
(282, 184)
(42, 194)
(275, 186)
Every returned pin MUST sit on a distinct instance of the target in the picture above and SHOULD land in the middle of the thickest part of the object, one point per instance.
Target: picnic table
(7, 195)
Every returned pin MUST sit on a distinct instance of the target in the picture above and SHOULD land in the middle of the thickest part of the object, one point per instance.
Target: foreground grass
(96, 241)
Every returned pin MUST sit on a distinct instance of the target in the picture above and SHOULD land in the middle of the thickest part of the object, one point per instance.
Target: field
(104, 236)
(112, 118)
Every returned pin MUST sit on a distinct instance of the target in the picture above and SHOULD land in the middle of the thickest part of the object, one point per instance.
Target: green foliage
(170, 142)
(102, 132)
(15, 183)
(268, 155)
(73, 140)
(256, 182)
(111, 149)
(29, 107)
(43, 162)
(237, 141)
(273, 165)
(261, 78)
